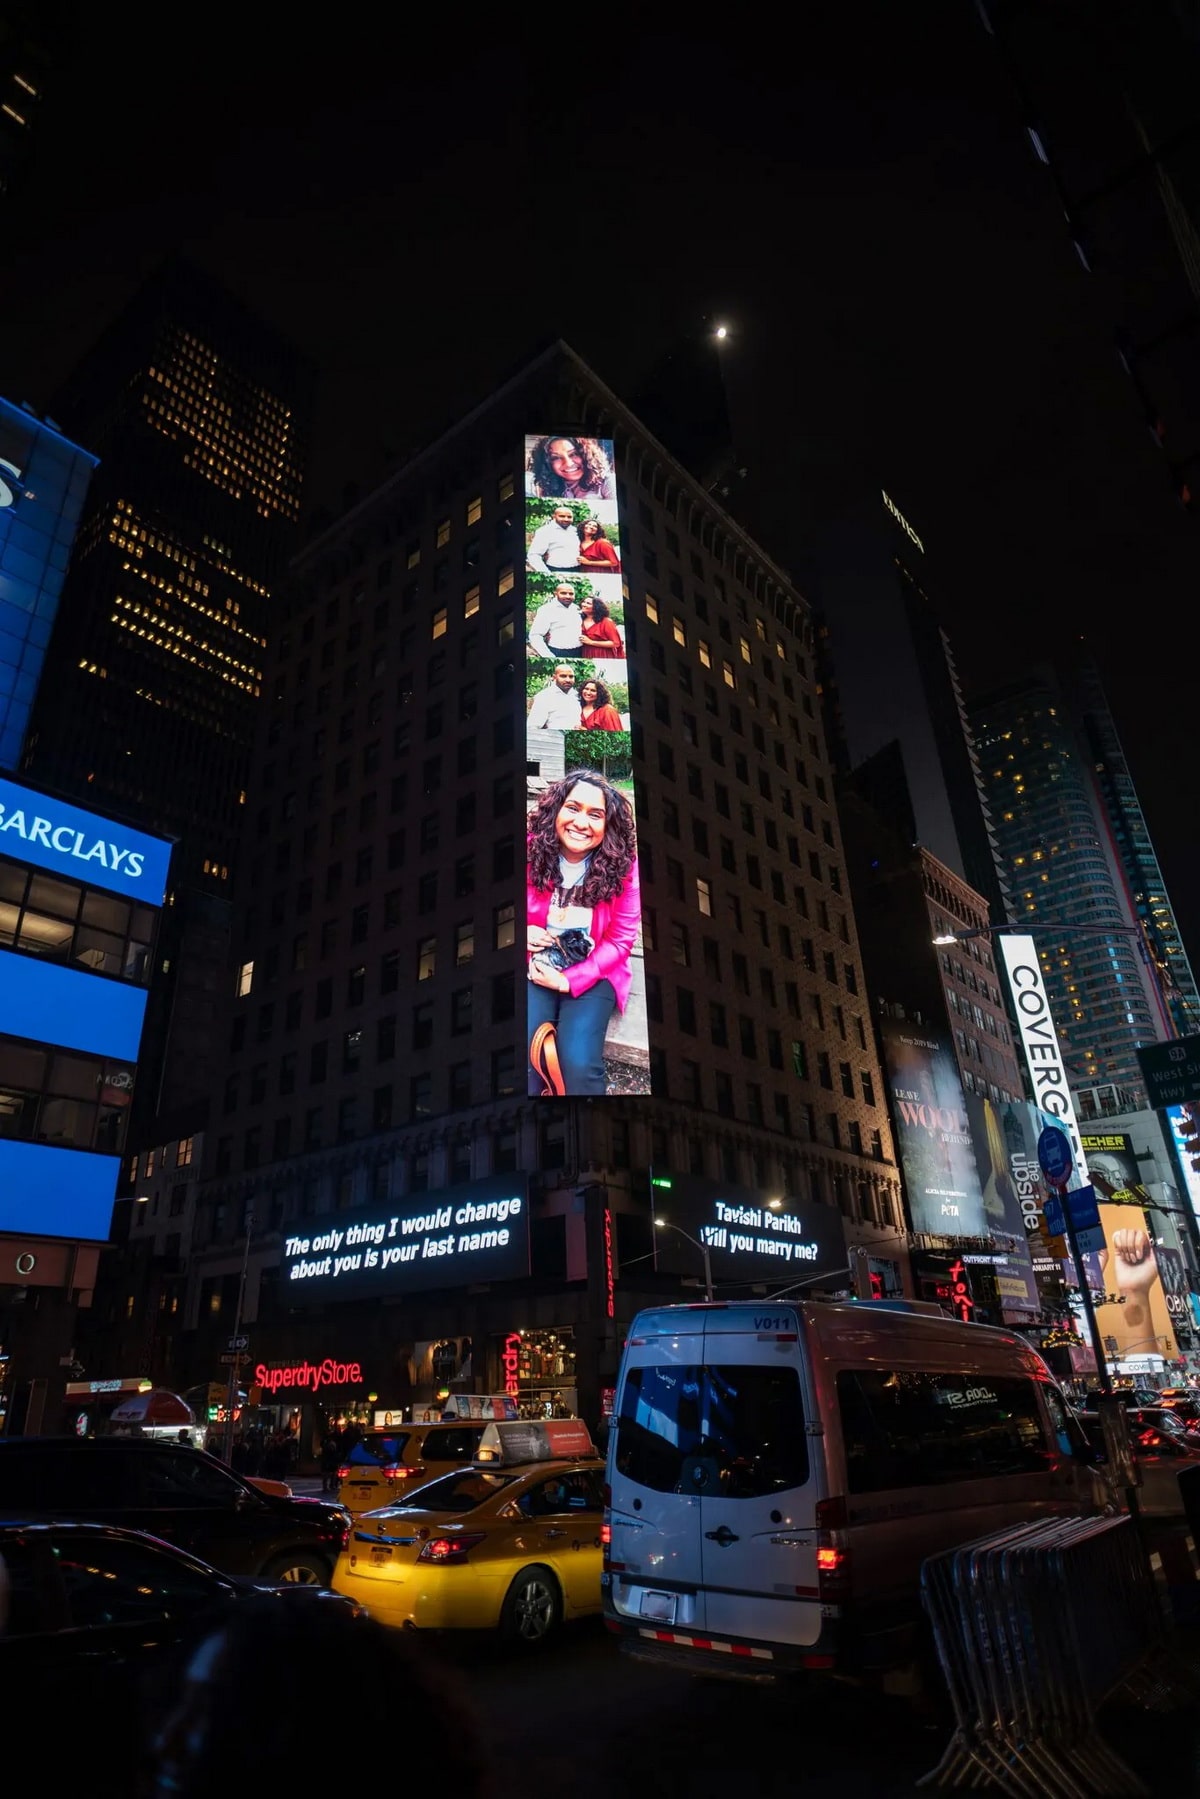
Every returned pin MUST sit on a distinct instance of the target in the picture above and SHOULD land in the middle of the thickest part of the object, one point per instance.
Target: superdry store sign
(276, 1377)
(460, 1235)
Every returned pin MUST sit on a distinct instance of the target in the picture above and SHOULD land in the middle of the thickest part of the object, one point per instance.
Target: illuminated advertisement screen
(1185, 1135)
(937, 1152)
(750, 1236)
(450, 1238)
(586, 990)
(1010, 1206)
(1132, 1305)
(81, 846)
(43, 483)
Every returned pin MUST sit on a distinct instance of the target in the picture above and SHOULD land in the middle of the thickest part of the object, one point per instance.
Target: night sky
(421, 207)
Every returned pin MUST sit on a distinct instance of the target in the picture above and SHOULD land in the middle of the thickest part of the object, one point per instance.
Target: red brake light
(345, 1472)
(830, 1560)
(605, 1535)
(450, 1549)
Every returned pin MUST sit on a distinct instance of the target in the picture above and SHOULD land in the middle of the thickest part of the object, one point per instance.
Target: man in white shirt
(556, 707)
(555, 544)
(557, 628)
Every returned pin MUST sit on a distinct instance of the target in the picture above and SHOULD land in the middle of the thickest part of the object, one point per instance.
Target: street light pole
(235, 1365)
(661, 1224)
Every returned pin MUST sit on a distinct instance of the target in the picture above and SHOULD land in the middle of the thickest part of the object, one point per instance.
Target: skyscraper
(199, 414)
(1060, 851)
(892, 679)
(387, 1002)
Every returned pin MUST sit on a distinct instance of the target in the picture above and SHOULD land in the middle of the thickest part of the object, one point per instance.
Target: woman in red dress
(601, 638)
(597, 710)
(595, 551)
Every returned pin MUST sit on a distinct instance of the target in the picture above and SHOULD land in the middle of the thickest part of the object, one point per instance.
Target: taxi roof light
(517, 1442)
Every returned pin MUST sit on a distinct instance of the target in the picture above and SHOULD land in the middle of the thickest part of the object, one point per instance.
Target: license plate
(362, 1486)
(380, 1555)
(659, 1606)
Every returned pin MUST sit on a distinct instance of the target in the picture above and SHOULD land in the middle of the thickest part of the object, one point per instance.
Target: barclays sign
(81, 846)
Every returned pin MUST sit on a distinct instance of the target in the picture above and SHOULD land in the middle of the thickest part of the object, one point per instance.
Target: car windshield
(456, 1492)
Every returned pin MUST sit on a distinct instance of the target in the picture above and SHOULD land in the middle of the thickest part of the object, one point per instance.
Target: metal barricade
(1035, 1627)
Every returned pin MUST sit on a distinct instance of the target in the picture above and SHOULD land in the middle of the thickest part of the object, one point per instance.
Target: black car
(100, 1617)
(176, 1493)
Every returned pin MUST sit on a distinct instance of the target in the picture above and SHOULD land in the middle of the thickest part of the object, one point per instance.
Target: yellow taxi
(387, 1462)
(510, 1543)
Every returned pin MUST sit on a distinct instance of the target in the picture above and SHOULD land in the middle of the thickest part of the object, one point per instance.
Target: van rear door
(757, 1473)
(655, 1562)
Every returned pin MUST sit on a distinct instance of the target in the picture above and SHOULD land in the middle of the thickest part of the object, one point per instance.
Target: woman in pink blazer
(584, 913)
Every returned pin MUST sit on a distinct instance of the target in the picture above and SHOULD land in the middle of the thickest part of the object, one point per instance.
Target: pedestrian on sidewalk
(331, 1456)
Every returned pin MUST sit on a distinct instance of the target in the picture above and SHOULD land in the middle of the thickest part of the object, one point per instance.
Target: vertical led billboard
(43, 482)
(933, 1132)
(586, 1008)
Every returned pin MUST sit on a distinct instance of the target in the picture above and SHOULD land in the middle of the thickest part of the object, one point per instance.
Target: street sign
(231, 1359)
(1085, 1215)
(1091, 1240)
(238, 1343)
(1171, 1071)
(1054, 1156)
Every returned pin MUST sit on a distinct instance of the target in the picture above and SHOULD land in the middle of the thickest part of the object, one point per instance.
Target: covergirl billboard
(586, 1006)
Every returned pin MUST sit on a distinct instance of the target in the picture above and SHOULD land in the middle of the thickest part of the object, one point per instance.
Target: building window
(464, 943)
(704, 896)
(187, 1149)
(426, 958)
(460, 1011)
(245, 979)
(504, 1073)
(420, 1096)
(504, 929)
(439, 622)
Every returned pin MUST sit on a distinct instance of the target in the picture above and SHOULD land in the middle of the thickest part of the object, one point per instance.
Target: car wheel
(298, 1568)
(532, 1607)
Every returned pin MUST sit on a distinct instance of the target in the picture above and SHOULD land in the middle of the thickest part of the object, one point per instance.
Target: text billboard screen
(934, 1135)
(586, 1005)
(749, 1236)
(455, 1236)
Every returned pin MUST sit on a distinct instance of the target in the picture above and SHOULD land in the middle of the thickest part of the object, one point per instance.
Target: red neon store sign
(510, 1362)
(308, 1374)
(958, 1292)
(609, 1281)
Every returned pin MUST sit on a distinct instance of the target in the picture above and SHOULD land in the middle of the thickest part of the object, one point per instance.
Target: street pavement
(601, 1726)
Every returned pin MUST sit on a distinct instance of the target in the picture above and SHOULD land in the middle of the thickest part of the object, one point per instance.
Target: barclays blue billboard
(43, 483)
(49, 1192)
(81, 846)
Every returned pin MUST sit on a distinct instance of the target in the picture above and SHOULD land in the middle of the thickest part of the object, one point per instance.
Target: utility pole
(235, 1366)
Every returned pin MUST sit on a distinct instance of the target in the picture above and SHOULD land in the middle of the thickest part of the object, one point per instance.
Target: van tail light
(833, 1558)
(606, 1534)
(451, 1549)
(345, 1471)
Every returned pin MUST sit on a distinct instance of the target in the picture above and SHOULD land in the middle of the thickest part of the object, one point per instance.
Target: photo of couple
(566, 617)
(570, 696)
(586, 1009)
(570, 538)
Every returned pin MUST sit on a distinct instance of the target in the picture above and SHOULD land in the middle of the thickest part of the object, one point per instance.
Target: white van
(778, 1473)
